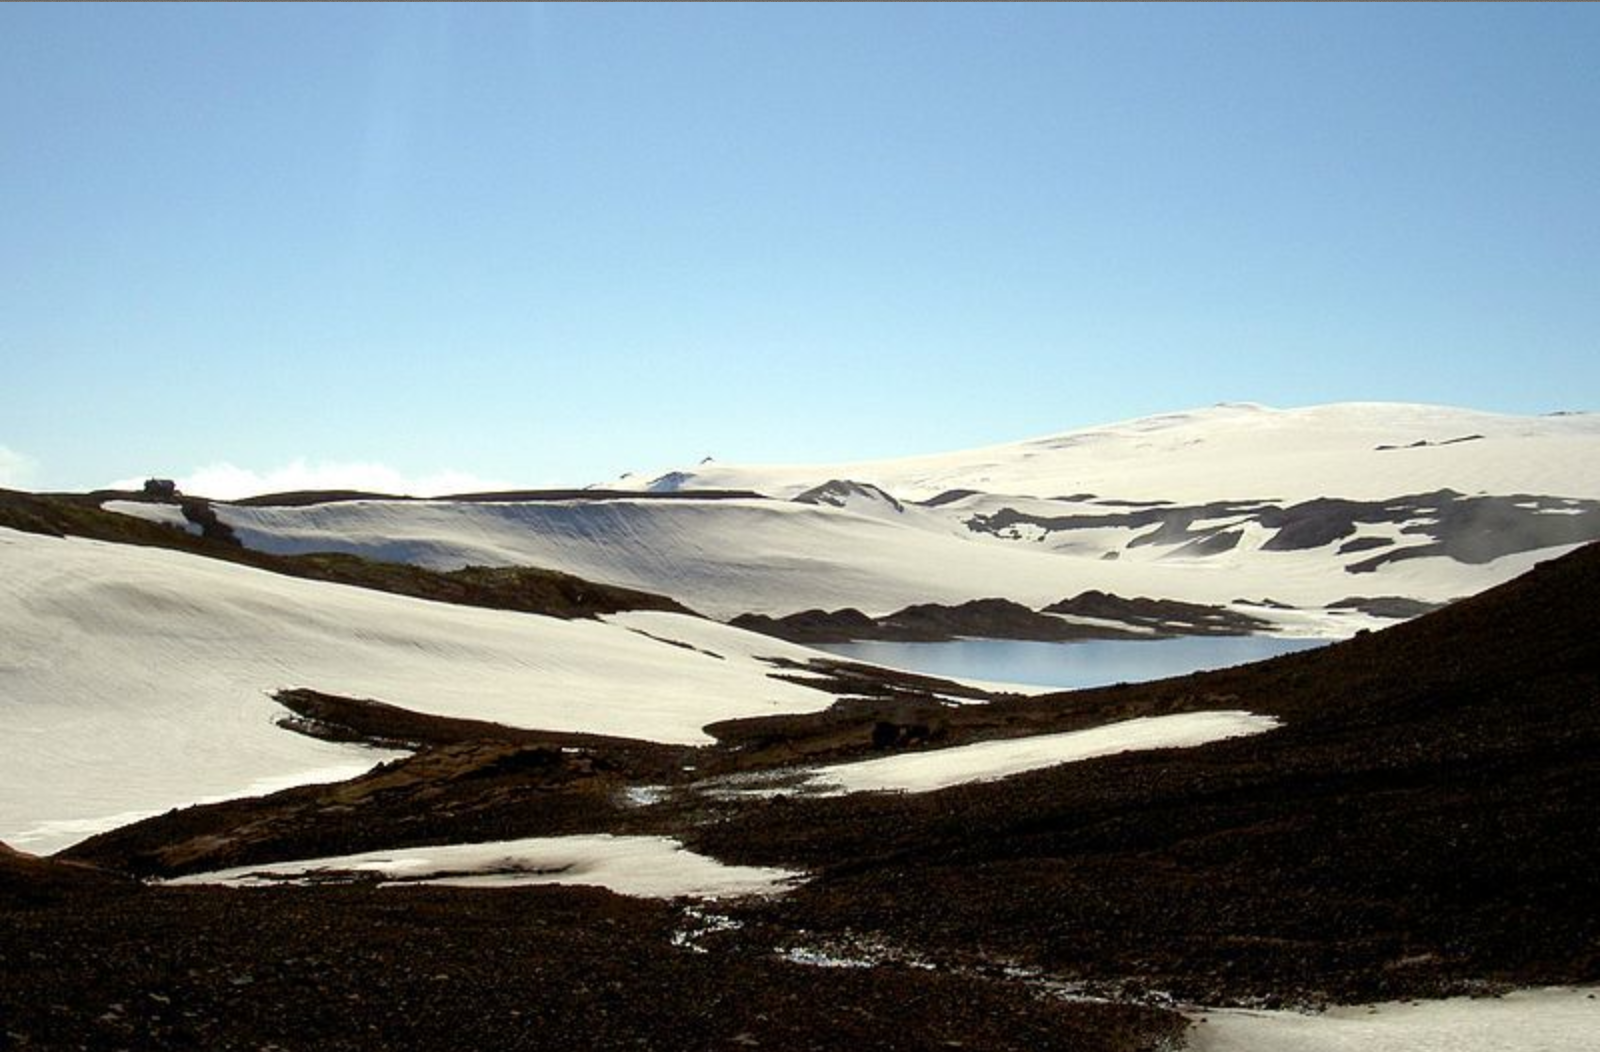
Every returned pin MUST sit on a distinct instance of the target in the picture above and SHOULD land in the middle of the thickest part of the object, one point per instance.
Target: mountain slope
(134, 679)
(1357, 450)
(1333, 510)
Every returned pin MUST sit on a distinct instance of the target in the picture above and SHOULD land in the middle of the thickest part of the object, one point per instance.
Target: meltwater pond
(1093, 663)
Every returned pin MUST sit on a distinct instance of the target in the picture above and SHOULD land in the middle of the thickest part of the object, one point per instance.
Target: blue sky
(544, 245)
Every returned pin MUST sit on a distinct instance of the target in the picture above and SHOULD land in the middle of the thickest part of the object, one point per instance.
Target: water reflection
(1071, 665)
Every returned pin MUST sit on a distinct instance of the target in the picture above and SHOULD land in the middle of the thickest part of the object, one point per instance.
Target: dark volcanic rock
(1398, 607)
(28, 880)
(839, 492)
(1212, 544)
(928, 623)
(1423, 443)
(199, 511)
(1162, 616)
(1314, 523)
(988, 618)
(1481, 529)
(949, 496)
(437, 970)
(1171, 525)
(811, 626)
(1004, 619)
(1445, 523)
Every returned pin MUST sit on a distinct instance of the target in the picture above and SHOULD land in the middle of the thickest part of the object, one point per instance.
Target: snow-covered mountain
(1235, 451)
(1298, 516)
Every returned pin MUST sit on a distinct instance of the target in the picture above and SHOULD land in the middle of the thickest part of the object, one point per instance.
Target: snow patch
(698, 924)
(1109, 622)
(640, 866)
(1549, 1020)
(644, 795)
(162, 514)
(987, 761)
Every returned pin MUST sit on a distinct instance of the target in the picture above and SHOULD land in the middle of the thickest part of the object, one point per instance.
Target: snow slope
(133, 680)
(721, 557)
(1561, 1019)
(1233, 451)
(727, 557)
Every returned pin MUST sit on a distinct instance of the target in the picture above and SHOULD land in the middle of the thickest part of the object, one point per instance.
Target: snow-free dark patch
(1113, 617)
(1469, 529)
(838, 493)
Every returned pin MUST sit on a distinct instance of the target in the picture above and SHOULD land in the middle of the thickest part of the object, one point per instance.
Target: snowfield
(1199, 507)
(727, 557)
(134, 680)
(641, 866)
(1562, 1019)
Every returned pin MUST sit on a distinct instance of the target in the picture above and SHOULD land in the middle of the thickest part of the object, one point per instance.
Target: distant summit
(841, 493)
(671, 482)
(1234, 451)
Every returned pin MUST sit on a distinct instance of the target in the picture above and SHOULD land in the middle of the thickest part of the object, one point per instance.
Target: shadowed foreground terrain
(1422, 824)
(557, 968)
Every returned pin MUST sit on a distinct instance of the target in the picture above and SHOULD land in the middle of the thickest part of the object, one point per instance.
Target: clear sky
(545, 245)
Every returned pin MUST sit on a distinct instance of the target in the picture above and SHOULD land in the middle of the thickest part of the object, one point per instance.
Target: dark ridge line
(997, 618)
(949, 496)
(311, 498)
(1424, 443)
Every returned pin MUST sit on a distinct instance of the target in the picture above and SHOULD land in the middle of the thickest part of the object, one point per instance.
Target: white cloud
(16, 470)
(229, 482)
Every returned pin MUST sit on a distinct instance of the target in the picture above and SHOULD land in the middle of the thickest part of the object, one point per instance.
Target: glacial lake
(1093, 663)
